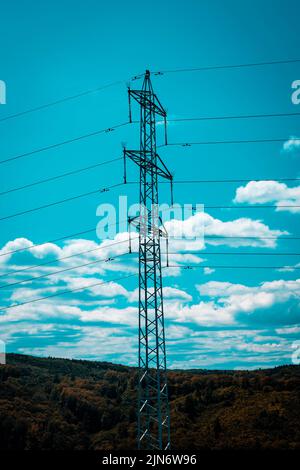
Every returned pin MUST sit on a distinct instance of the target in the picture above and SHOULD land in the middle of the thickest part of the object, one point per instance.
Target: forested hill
(69, 404)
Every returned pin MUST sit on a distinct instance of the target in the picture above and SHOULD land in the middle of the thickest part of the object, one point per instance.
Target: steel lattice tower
(153, 405)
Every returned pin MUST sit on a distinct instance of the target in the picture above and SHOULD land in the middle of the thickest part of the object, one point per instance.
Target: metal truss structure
(153, 404)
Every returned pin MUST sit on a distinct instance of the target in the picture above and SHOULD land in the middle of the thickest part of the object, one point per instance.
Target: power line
(79, 170)
(237, 180)
(62, 175)
(29, 268)
(65, 142)
(252, 207)
(232, 253)
(77, 289)
(239, 116)
(61, 201)
(272, 206)
(218, 142)
(120, 82)
(191, 266)
(249, 237)
(219, 67)
(42, 276)
(62, 100)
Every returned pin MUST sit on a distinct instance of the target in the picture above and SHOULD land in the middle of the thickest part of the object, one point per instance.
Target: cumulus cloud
(202, 226)
(50, 309)
(107, 304)
(203, 313)
(227, 301)
(14, 245)
(79, 251)
(120, 316)
(97, 287)
(19, 244)
(220, 289)
(227, 289)
(230, 299)
(262, 192)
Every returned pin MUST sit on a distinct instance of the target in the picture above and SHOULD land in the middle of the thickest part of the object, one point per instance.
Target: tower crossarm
(143, 158)
(148, 100)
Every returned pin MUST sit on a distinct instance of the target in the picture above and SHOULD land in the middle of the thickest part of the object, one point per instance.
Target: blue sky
(228, 318)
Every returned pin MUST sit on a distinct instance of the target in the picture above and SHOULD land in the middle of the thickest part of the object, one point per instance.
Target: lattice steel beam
(153, 404)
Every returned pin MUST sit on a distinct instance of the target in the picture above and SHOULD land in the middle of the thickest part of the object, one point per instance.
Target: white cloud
(208, 271)
(93, 343)
(177, 332)
(174, 293)
(43, 311)
(292, 144)
(193, 226)
(262, 192)
(215, 348)
(90, 306)
(281, 288)
(187, 347)
(203, 223)
(231, 300)
(120, 316)
(219, 289)
(39, 251)
(9, 332)
(261, 348)
(21, 243)
(51, 309)
(103, 289)
(204, 313)
(288, 330)
(46, 249)
(13, 245)
(288, 269)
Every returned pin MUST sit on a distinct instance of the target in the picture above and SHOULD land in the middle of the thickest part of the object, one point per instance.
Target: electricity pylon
(153, 404)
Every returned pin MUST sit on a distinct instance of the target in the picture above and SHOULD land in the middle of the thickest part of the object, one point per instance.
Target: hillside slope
(63, 405)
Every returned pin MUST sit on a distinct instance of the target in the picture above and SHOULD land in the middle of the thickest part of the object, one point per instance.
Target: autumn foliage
(58, 404)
